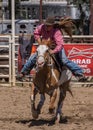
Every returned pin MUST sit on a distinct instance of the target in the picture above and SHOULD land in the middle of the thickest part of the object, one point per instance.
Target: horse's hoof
(63, 119)
(51, 110)
(57, 119)
(35, 114)
(57, 122)
(60, 119)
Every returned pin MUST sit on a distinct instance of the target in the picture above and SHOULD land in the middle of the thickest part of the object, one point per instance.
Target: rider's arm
(37, 34)
(39, 41)
(58, 38)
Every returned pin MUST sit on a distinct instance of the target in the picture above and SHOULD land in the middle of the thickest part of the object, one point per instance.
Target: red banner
(82, 54)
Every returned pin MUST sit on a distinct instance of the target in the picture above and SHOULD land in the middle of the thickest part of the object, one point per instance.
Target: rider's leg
(29, 64)
(75, 69)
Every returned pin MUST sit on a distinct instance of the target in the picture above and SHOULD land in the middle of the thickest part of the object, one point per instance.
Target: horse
(48, 80)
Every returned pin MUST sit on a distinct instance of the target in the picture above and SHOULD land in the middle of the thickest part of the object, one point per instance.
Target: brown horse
(47, 80)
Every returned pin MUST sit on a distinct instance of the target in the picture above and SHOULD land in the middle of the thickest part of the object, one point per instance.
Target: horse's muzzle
(40, 61)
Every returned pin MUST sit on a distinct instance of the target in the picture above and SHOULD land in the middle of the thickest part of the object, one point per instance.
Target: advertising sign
(82, 54)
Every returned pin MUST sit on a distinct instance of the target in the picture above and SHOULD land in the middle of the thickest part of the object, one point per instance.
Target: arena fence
(9, 59)
(5, 59)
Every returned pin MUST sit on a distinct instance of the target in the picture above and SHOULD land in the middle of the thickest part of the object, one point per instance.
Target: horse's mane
(65, 25)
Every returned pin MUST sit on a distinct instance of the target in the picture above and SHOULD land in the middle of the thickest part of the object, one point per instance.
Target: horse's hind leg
(52, 101)
(60, 104)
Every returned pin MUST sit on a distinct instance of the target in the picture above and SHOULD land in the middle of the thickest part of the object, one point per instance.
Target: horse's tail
(66, 25)
(70, 91)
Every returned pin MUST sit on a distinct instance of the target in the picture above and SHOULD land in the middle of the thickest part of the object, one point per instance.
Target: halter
(41, 62)
(48, 60)
(41, 50)
(38, 63)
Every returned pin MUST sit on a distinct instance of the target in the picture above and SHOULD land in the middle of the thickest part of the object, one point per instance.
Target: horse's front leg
(41, 102)
(53, 97)
(32, 97)
(60, 104)
(36, 112)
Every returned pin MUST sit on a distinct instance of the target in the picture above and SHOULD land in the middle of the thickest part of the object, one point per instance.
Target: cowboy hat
(49, 21)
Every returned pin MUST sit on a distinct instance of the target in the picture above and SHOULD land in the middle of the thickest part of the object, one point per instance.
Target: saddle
(65, 73)
(58, 65)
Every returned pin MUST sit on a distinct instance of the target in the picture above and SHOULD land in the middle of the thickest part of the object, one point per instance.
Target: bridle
(47, 60)
(44, 60)
(40, 64)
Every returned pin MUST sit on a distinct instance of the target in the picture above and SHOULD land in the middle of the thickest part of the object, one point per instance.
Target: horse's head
(42, 52)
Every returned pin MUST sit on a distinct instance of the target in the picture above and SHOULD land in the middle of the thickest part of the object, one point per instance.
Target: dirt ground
(15, 113)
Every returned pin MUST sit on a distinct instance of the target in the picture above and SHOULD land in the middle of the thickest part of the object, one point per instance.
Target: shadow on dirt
(40, 122)
(33, 122)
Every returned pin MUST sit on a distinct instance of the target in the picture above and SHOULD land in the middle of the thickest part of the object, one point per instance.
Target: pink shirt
(55, 35)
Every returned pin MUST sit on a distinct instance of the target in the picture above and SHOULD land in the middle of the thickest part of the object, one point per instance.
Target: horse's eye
(47, 50)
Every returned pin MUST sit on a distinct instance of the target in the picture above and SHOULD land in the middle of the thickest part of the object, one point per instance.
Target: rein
(56, 62)
(40, 61)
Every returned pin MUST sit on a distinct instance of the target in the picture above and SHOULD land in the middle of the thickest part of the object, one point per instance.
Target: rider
(47, 30)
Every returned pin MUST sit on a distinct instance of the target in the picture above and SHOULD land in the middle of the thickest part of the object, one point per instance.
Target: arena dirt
(15, 113)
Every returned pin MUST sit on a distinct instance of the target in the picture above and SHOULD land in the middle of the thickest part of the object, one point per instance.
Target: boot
(81, 78)
(20, 77)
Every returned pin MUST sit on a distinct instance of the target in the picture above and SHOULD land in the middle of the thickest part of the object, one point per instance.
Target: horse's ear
(49, 42)
(46, 42)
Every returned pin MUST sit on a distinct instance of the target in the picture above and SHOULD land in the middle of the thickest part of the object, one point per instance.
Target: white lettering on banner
(82, 61)
(83, 66)
(82, 55)
(87, 70)
(88, 53)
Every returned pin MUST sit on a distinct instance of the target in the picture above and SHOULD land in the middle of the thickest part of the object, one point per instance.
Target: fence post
(13, 41)
(10, 61)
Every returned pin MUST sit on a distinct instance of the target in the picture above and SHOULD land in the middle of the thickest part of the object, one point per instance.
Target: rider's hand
(39, 41)
(21, 75)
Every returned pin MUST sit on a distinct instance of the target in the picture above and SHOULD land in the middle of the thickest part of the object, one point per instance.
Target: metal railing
(75, 39)
(5, 58)
(12, 56)
(79, 39)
